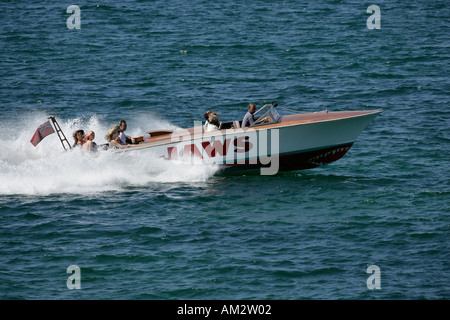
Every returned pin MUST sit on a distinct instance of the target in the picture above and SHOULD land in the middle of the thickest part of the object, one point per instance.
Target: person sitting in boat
(212, 121)
(79, 137)
(89, 144)
(249, 119)
(125, 139)
(113, 137)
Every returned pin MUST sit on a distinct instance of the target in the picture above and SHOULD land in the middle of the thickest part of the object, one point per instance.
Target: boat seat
(225, 125)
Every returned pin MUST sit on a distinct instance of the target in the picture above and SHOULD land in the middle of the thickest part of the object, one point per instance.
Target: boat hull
(296, 142)
(299, 161)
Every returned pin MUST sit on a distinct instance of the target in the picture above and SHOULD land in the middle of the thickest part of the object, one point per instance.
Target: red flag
(44, 130)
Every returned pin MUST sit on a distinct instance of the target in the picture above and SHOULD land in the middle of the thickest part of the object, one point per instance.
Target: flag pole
(60, 133)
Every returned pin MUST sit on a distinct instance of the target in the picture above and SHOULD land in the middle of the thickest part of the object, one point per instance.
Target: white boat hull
(295, 143)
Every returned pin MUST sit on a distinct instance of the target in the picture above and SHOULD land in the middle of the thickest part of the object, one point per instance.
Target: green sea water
(139, 227)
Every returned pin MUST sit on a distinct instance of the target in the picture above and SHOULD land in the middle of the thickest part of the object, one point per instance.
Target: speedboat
(273, 143)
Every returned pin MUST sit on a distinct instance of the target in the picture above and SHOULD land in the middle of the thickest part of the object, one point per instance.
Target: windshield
(269, 115)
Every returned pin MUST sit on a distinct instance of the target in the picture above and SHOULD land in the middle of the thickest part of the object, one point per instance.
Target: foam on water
(47, 169)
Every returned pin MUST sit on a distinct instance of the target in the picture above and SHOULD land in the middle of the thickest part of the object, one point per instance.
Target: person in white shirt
(212, 121)
(122, 136)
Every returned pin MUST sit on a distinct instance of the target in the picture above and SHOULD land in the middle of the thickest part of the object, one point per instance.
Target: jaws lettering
(211, 150)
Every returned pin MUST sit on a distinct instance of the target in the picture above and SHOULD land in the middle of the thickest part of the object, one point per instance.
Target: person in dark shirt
(249, 118)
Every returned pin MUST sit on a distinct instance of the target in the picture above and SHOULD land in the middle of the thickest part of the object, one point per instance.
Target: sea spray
(48, 169)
